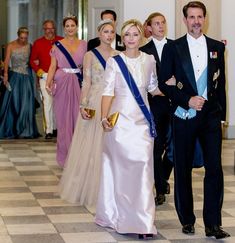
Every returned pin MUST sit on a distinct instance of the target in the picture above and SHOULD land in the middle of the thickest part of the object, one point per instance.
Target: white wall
(141, 9)
(228, 33)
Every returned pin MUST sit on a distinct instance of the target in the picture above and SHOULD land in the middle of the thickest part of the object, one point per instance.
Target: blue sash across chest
(70, 60)
(99, 57)
(136, 94)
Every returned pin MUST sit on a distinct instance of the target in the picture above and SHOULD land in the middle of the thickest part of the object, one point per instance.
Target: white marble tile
(71, 218)
(230, 211)
(32, 168)
(50, 162)
(10, 183)
(45, 147)
(9, 174)
(176, 234)
(165, 215)
(25, 229)
(46, 155)
(21, 211)
(150, 241)
(91, 237)
(230, 196)
(5, 239)
(16, 196)
(6, 164)
(25, 159)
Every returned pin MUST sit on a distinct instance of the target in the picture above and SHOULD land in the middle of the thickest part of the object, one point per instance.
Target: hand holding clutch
(87, 113)
(112, 119)
(90, 112)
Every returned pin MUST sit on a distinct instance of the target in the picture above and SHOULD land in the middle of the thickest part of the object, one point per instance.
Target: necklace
(132, 67)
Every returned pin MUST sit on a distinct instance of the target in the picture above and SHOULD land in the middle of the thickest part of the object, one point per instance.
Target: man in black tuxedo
(117, 42)
(199, 106)
(160, 107)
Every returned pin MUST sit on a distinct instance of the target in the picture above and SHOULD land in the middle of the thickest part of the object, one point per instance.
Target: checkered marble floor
(32, 212)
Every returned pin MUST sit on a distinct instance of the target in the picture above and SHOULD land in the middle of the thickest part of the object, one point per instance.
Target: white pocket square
(216, 75)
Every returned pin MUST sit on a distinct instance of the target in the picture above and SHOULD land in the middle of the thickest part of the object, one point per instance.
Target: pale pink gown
(126, 199)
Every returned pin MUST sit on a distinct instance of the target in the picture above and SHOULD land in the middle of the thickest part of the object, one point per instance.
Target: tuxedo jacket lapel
(184, 55)
(210, 49)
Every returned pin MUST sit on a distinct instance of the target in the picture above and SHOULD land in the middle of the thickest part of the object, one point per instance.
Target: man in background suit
(160, 107)
(199, 106)
(117, 42)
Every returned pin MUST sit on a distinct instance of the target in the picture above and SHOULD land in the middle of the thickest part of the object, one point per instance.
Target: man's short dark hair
(194, 4)
(109, 11)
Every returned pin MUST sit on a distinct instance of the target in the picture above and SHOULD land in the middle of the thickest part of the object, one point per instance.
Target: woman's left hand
(84, 114)
(171, 81)
(106, 125)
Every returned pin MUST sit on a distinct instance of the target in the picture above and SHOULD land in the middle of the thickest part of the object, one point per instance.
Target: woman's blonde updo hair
(130, 23)
(22, 30)
(104, 22)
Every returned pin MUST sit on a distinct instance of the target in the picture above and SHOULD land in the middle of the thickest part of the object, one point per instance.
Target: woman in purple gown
(63, 83)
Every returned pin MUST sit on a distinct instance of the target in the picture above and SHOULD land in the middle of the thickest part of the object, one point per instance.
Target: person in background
(81, 175)
(126, 200)
(17, 112)
(40, 61)
(199, 106)
(117, 42)
(64, 81)
(160, 107)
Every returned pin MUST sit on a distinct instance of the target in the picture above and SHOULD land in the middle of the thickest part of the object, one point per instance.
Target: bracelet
(102, 120)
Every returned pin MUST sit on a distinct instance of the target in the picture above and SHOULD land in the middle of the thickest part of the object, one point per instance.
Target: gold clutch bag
(90, 112)
(112, 119)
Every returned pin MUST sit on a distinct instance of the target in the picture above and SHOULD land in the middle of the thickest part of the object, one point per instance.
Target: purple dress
(66, 98)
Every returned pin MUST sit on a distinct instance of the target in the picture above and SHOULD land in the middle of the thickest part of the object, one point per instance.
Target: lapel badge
(179, 85)
(216, 75)
(213, 54)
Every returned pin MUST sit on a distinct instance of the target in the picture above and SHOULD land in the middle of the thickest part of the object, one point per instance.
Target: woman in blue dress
(17, 113)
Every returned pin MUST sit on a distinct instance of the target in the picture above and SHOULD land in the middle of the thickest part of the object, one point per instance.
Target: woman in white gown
(126, 200)
(81, 175)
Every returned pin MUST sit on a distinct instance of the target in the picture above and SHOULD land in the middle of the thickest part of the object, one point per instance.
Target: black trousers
(162, 165)
(207, 128)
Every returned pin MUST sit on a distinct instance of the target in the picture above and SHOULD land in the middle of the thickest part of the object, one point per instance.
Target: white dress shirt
(159, 46)
(198, 53)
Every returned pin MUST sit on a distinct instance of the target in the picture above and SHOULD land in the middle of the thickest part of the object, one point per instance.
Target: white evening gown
(126, 199)
(81, 175)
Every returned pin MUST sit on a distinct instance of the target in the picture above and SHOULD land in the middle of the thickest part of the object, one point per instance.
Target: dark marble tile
(41, 183)
(36, 163)
(168, 224)
(46, 150)
(7, 168)
(32, 173)
(37, 238)
(18, 203)
(78, 227)
(35, 219)
(14, 189)
(65, 210)
(45, 195)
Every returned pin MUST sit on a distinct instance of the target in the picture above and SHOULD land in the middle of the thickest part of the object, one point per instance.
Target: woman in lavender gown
(66, 86)
(81, 175)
